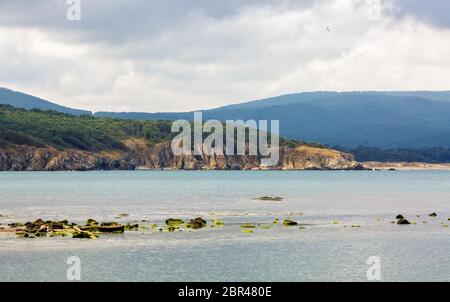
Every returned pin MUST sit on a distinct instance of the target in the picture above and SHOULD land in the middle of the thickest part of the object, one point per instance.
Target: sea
(346, 227)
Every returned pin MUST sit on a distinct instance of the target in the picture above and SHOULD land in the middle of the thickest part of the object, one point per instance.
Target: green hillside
(64, 131)
(59, 130)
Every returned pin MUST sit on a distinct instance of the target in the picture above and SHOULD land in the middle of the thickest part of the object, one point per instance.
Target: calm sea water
(327, 203)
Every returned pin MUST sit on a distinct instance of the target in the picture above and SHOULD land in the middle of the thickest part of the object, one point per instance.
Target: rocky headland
(138, 154)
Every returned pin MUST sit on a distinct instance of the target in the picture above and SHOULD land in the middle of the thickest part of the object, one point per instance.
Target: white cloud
(205, 59)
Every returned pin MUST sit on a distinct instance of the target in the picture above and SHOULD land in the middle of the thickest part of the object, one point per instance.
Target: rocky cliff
(139, 154)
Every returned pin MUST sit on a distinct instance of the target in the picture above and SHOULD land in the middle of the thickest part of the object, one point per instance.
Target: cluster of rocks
(92, 229)
(64, 228)
(176, 224)
(403, 221)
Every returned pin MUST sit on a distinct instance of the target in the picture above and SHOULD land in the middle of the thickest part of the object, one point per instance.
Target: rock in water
(131, 227)
(433, 214)
(196, 223)
(91, 222)
(248, 226)
(403, 221)
(218, 222)
(39, 222)
(174, 222)
(270, 198)
(84, 235)
(112, 223)
(399, 217)
(288, 222)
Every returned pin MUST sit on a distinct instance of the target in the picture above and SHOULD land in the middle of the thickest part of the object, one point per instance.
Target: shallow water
(323, 251)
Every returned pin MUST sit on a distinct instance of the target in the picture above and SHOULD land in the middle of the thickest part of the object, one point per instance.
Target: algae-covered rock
(39, 222)
(265, 226)
(276, 221)
(248, 226)
(91, 222)
(200, 220)
(196, 223)
(113, 228)
(270, 198)
(174, 222)
(288, 222)
(218, 222)
(112, 223)
(62, 233)
(84, 235)
(247, 231)
(21, 234)
(403, 221)
(131, 227)
(54, 225)
(172, 228)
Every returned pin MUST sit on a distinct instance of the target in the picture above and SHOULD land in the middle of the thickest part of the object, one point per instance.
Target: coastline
(406, 166)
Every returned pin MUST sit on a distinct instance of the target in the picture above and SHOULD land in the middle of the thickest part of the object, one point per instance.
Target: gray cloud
(119, 21)
(183, 55)
(435, 12)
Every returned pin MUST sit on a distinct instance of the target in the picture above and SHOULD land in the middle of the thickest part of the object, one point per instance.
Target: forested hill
(65, 131)
(385, 120)
(38, 140)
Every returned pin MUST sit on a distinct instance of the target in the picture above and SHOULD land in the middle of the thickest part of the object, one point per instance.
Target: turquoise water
(322, 251)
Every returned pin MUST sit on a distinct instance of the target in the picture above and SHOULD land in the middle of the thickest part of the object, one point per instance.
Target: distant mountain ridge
(349, 119)
(402, 119)
(26, 101)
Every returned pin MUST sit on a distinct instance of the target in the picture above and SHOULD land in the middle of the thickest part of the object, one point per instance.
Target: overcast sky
(176, 55)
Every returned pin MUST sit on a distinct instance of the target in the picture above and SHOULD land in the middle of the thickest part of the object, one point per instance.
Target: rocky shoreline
(404, 166)
(140, 155)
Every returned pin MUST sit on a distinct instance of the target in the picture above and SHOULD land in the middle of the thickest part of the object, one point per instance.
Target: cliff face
(140, 155)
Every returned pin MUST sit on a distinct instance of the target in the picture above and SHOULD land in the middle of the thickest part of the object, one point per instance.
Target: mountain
(22, 100)
(36, 140)
(350, 119)
(386, 120)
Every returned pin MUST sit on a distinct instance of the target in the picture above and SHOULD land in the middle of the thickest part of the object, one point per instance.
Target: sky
(179, 55)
